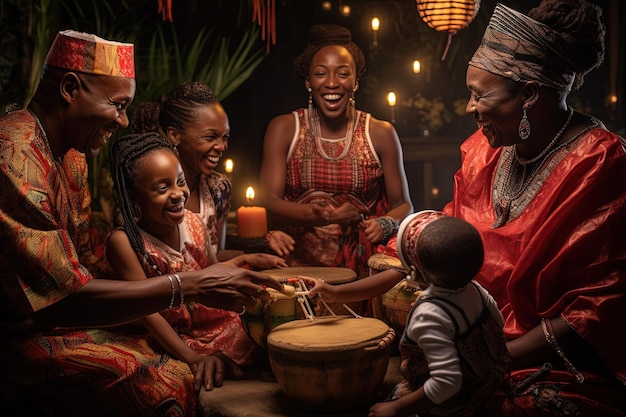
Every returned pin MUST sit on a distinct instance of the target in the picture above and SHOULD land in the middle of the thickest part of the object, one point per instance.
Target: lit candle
(251, 220)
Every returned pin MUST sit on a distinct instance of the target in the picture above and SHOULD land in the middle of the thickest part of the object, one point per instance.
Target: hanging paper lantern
(448, 16)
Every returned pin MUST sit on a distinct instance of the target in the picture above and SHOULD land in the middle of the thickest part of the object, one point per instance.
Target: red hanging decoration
(448, 16)
(264, 13)
(165, 8)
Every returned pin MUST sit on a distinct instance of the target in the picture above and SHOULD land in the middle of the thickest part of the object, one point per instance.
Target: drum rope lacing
(302, 293)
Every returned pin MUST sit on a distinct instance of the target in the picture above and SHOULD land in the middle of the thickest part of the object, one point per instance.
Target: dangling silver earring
(524, 126)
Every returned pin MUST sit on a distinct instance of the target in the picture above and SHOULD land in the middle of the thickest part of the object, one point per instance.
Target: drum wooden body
(269, 314)
(331, 275)
(397, 304)
(331, 364)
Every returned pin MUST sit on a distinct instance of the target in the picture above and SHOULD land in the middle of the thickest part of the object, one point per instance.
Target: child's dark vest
(483, 355)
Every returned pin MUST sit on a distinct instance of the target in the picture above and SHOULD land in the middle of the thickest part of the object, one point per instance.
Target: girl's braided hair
(125, 154)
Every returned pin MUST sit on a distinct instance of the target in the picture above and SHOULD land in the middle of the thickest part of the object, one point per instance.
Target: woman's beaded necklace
(316, 131)
(554, 141)
(516, 181)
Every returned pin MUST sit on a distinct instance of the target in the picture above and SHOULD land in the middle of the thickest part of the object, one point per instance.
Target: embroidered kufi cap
(520, 48)
(408, 236)
(84, 52)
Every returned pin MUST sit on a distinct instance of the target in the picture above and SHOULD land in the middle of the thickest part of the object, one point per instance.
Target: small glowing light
(249, 194)
(327, 6)
(391, 99)
(417, 67)
(229, 165)
(375, 24)
(345, 11)
(613, 98)
(435, 191)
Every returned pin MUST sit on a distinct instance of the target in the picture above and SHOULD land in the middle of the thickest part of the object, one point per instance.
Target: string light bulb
(417, 67)
(375, 24)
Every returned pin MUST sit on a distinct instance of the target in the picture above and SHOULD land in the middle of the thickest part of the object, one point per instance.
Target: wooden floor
(257, 398)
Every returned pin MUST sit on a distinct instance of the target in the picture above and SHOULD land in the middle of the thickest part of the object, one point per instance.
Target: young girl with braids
(195, 122)
(161, 237)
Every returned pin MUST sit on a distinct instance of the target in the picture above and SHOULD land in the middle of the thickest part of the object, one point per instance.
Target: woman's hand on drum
(280, 242)
(262, 260)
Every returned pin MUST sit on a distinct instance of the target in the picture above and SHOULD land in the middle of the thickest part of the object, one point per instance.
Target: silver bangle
(173, 291)
(546, 326)
(180, 288)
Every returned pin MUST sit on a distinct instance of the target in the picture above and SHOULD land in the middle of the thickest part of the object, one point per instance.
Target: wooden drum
(331, 364)
(395, 304)
(269, 314)
(331, 275)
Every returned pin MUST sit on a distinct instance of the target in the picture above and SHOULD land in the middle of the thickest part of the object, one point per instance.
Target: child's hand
(264, 261)
(384, 409)
(326, 291)
(208, 372)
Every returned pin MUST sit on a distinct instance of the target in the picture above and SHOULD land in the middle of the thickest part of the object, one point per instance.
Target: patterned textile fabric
(44, 213)
(356, 178)
(215, 191)
(206, 330)
(563, 255)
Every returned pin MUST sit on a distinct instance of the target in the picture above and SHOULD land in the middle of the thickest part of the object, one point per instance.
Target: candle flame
(391, 99)
(229, 165)
(250, 194)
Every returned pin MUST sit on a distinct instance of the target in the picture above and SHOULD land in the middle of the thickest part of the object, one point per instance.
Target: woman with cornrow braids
(195, 122)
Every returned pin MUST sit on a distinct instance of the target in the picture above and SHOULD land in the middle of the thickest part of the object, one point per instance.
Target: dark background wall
(430, 161)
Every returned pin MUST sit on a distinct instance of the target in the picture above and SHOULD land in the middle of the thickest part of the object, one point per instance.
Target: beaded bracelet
(180, 288)
(546, 326)
(389, 226)
(173, 291)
